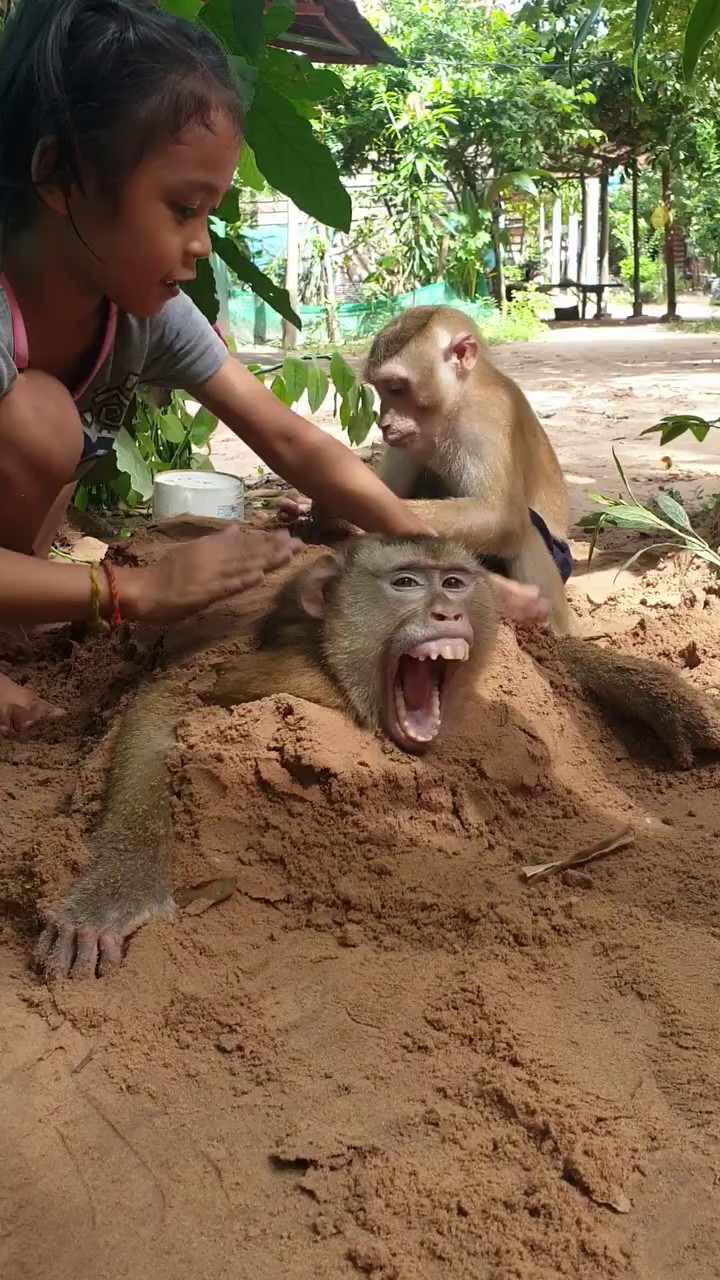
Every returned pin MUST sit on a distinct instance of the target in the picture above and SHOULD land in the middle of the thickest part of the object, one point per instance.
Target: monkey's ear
(317, 584)
(465, 349)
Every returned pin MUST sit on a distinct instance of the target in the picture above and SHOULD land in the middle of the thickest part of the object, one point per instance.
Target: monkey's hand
(518, 602)
(318, 522)
(683, 718)
(84, 934)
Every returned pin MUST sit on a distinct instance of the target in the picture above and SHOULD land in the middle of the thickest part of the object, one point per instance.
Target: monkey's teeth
(451, 650)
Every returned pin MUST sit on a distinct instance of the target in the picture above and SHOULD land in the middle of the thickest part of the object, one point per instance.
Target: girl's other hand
(198, 574)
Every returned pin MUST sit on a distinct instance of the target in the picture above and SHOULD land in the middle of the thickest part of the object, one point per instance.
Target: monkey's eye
(405, 582)
(453, 583)
(395, 388)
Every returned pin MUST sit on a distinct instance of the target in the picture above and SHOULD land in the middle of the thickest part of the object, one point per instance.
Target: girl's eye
(183, 212)
(404, 582)
(453, 584)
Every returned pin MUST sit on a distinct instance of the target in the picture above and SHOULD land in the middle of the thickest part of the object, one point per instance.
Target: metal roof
(336, 31)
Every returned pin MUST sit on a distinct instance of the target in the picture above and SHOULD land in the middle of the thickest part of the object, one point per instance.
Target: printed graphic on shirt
(104, 416)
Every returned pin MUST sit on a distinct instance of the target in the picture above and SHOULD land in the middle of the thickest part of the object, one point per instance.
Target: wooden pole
(637, 300)
(671, 313)
(604, 276)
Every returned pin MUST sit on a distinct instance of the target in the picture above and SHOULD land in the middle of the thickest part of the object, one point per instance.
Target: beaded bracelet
(115, 615)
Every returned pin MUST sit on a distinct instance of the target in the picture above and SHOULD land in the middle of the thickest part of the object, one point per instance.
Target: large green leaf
(279, 17)
(673, 511)
(237, 23)
(703, 22)
(131, 462)
(188, 9)
(642, 13)
(202, 290)
(294, 160)
(245, 76)
(583, 32)
(248, 173)
(295, 377)
(318, 384)
(262, 285)
(297, 78)
(341, 374)
(229, 208)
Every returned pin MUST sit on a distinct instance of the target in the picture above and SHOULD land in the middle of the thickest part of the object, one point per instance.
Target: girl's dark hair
(108, 80)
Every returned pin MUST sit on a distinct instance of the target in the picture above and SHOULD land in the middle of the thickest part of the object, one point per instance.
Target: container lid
(198, 479)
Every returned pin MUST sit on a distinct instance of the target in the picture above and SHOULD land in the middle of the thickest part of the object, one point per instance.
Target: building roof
(336, 31)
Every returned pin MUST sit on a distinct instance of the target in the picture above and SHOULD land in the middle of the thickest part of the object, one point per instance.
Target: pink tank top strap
(20, 343)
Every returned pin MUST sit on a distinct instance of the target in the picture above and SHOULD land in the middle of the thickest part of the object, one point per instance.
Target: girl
(120, 131)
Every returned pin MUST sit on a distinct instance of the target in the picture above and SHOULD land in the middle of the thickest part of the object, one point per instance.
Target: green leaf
(655, 546)
(188, 9)
(203, 425)
(593, 541)
(229, 209)
(702, 24)
(671, 433)
(233, 257)
(318, 385)
(524, 182)
(245, 77)
(171, 427)
(279, 390)
(298, 79)
(202, 290)
(248, 173)
(622, 476)
(237, 23)
(293, 160)
(279, 17)
(341, 373)
(673, 511)
(131, 462)
(583, 32)
(295, 377)
(642, 13)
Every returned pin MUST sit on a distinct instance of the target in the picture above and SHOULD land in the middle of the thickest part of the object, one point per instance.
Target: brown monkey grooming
(380, 631)
(455, 427)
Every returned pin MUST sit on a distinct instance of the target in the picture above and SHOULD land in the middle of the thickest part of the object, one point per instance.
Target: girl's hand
(200, 573)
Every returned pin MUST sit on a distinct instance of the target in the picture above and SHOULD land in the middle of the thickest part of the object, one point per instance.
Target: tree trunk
(671, 313)
(637, 300)
(499, 267)
(292, 269)
(332, 315)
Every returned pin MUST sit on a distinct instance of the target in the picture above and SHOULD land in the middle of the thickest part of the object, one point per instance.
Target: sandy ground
(385, 1055)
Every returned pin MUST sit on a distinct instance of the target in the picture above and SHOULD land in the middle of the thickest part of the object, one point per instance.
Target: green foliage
(677, 424)
(652, 277)
(703, 23)
(158, 439)
(354, 401)
(672, 525)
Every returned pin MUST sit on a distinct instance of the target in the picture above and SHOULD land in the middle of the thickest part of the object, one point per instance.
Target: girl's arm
(182, 582)
(302, 454)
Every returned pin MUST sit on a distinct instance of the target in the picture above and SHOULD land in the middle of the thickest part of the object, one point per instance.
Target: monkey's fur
(336, 635)
(456, 427)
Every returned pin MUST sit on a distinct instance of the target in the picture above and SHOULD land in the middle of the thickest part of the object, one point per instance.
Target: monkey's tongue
(417, 697)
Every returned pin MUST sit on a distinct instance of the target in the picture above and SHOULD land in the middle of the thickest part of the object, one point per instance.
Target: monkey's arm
(682, 717)
(487, 530)
(312, 461)
(399, 470)
(260, 673)
(127, 884)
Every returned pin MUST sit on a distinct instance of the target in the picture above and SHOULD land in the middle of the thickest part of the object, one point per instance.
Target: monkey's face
(400, 627)
(421, 387)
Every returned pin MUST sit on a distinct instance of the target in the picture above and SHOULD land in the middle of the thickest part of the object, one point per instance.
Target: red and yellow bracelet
(98, 622)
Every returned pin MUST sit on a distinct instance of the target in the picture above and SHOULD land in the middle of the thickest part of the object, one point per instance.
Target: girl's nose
(200, 246)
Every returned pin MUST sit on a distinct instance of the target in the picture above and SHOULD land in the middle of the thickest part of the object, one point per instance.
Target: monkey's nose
(438, 614)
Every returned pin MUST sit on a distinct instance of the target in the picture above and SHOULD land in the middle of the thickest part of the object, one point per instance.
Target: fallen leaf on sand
(196, 899)
(612, 844)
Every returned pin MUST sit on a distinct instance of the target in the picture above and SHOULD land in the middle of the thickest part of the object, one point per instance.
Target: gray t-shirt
(175, 349)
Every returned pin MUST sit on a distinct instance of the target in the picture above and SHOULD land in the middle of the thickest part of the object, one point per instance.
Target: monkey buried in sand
(388, 631)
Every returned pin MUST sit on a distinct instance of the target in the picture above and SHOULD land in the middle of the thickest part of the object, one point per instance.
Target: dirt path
(385, 1055)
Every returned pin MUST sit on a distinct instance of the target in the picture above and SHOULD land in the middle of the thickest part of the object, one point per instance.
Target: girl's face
(154, 234)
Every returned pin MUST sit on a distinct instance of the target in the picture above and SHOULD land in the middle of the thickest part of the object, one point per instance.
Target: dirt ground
(386, 1055)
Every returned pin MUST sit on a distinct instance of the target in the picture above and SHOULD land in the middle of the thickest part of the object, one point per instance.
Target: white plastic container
(198, 493)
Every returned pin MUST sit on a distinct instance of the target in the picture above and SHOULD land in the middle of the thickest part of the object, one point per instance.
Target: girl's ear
(45, 177)
(317, 584)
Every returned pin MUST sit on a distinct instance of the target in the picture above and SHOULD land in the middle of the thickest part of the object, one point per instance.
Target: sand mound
(385, 1055)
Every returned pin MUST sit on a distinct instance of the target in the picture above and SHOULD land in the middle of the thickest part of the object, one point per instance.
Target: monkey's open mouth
(418, 685)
